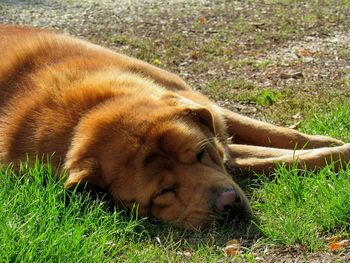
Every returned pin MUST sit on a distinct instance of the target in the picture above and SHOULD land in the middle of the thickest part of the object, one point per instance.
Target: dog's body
(136, 130)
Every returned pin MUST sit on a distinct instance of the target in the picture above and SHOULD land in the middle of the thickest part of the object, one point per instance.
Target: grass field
(283, 61)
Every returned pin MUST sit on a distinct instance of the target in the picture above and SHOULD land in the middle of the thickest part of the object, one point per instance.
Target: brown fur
(136, 130)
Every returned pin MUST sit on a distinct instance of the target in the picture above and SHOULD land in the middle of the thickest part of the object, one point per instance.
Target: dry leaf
(202, 20)
(294, 75)
(304, 53)
(284, 75)
(195, 55)
(345, 243)
(297, 116)
(232, 248)
(333, 239)
(187, 253)
(298, 75)
(258, 24)
(335, 246)
(295, 126)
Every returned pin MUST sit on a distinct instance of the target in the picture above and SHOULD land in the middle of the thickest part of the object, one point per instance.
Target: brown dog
(133, 129)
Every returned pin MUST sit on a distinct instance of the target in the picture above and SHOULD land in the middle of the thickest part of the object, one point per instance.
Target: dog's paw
(318, 141)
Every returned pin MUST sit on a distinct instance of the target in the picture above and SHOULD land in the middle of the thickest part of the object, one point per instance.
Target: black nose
(227, 201)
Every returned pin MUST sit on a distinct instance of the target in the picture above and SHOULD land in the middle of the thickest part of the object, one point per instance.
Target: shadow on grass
(217, 234)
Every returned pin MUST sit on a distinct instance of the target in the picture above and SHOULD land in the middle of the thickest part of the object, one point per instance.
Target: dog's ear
(86, 171)
(198, 112)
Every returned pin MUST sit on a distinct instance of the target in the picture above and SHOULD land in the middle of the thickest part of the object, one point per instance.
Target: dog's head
(164, 155)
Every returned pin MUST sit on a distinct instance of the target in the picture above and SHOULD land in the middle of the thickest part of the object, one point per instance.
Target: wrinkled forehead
(177, 135)
(157, 131)
(183, 139)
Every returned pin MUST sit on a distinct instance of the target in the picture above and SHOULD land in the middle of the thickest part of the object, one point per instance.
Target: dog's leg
(242, 151)
(245, 130)
(264, 159)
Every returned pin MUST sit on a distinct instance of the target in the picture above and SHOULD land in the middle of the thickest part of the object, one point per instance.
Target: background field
(286, 62)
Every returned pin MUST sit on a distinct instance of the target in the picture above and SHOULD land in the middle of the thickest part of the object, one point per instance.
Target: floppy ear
(86, 171)
(199, 112)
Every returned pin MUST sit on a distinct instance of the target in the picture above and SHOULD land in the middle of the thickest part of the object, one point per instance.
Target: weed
(264, 97)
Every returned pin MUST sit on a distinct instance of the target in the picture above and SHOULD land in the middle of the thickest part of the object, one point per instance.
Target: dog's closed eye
(200, 155)
(165, 197)
(165, 191)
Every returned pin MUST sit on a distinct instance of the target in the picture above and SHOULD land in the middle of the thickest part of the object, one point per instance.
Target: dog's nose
(227, 201)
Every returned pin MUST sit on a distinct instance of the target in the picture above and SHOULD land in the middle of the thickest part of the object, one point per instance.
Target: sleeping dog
(135, 130)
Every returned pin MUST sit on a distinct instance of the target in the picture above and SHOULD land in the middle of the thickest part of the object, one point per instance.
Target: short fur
(133, 129)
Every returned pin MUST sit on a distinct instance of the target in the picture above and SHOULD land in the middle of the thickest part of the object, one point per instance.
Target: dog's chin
(195, 224)
(217, 222)
(196, 221)
(204, 221)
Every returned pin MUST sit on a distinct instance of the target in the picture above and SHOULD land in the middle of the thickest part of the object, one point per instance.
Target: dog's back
(38, 72)
(24, 52)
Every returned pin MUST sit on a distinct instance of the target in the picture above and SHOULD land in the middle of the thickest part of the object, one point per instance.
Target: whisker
(202, 143)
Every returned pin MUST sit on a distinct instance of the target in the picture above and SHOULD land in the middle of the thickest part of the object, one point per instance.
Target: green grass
(302, 207)
(333, 121)
(261, 97)
(39, 226)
